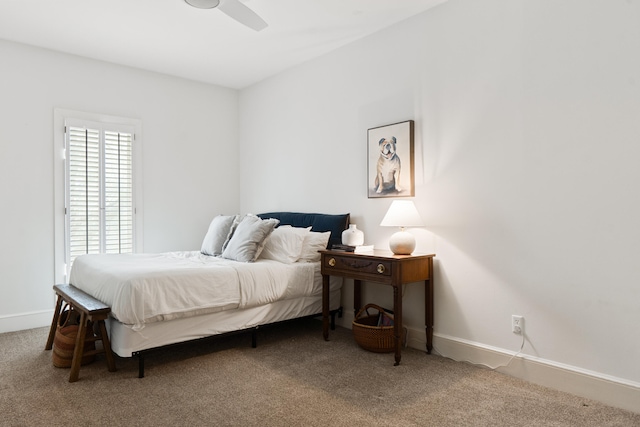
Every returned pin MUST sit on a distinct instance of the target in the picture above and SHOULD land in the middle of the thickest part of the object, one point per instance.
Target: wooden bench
(91, 310)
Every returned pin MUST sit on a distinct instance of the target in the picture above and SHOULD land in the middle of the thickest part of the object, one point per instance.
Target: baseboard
(19, 322)
(609, 390)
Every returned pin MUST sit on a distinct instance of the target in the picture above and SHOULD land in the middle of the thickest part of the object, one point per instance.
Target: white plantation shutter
(118, 193)
(99, 191)
(83, 209)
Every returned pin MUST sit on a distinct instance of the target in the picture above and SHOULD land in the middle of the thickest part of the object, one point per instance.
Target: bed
(251, 271)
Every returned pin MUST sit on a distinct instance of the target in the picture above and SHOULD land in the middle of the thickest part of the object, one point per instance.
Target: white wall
(526, 115)
(190, 164)
(527, 127)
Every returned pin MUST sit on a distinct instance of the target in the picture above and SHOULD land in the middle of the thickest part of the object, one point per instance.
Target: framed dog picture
(390, 160)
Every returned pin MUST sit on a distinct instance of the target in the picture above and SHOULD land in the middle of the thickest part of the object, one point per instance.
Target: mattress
(145, 288)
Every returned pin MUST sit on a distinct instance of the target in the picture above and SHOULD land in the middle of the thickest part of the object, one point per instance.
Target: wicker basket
(369, 335)
(64, 341)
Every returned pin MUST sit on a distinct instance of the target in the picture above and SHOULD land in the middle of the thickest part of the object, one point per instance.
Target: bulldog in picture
(388, 167)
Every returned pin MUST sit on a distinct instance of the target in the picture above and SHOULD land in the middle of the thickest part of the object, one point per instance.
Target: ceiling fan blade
(242, 14)
(203, 4)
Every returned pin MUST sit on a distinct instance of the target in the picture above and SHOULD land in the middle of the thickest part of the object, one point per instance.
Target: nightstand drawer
(362, 265)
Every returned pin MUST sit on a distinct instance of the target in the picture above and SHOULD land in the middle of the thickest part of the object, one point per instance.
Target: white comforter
(143, 288)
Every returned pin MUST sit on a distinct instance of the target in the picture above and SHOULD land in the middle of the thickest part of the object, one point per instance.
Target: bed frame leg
(140, 365)
(254, 337)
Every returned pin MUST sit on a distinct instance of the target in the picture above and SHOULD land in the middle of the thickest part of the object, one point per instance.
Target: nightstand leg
(357, 296)
(397, 322)
(428, 307)
(325, 307)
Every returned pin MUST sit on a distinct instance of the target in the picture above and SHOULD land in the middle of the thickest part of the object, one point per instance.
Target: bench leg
(79, 350)
(54, 324)
(111, 363)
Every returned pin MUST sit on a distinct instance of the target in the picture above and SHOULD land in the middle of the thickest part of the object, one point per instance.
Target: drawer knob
(332, 262)
(380, 268)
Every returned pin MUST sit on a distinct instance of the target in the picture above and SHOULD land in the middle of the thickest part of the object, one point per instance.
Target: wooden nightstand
(380, 267)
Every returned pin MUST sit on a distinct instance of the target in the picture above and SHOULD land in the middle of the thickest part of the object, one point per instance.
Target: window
(98, 189)
(99, 197)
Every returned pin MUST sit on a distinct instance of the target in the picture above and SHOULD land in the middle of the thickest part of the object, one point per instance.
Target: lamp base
(402, 243)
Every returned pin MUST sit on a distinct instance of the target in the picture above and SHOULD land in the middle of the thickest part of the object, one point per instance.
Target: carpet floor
(293, 378)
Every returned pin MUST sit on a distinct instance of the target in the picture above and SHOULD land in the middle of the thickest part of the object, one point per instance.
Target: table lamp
(402, 213)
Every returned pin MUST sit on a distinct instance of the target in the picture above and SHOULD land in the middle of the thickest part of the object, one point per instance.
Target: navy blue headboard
(336, 224)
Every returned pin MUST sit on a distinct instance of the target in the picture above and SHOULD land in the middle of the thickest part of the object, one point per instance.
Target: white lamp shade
(402, 213)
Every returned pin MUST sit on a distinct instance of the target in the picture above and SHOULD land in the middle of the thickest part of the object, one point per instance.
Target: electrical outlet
(517, 324)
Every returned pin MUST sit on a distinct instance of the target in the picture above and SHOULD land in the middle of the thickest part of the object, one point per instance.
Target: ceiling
(171, 37)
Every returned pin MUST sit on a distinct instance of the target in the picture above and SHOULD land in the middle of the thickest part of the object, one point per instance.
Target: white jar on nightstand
(352, 236)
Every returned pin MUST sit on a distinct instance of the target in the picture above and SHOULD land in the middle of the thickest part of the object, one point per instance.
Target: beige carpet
(293, 378)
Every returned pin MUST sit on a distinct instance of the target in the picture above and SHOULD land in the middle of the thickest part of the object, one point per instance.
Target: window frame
(63, 118)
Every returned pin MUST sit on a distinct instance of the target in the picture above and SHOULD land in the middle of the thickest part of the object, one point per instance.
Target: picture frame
(390, 164)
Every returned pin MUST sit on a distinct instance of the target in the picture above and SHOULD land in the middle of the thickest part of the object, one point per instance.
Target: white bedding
(145, 288)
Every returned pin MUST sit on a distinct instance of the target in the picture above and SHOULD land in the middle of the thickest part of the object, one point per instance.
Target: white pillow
(314, 242)
(248, 238)
(285, 244)
(217, 235)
